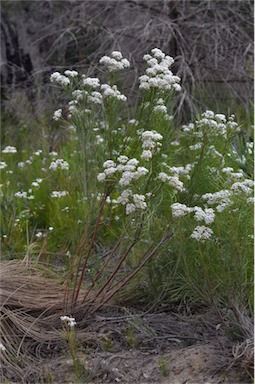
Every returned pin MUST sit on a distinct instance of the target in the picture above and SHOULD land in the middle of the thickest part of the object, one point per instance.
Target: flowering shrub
(133, 182)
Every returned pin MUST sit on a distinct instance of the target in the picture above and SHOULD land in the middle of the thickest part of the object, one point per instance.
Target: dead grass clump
(243, 351)
(30, 308)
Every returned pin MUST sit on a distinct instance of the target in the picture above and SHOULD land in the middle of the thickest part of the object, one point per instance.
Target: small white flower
(202, 233)
(57, 78)
(206, 215)
(2, 347)
(92, 82)
(146, 155)
(130, 208)
(57, 114)
(110, 171)
(244, 186)
(35, 184)
(70, 321)
(3, 164)
(59, 164)
(179, 210)
(116, 55)
(101, 177)
(115, 62)
(57, 194)
(21, 195)
(9, 149)
(122, 159)
(71, 73)
(196, 146)
(109, 164)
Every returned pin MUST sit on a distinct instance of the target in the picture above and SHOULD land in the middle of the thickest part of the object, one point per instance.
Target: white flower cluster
(250, 147)
(243, 186)
(95, 97)
(24, 195)
(173, 181)
(180, 171)
(229, 171)
(196, 146)
(112, 92)
(217, 123)
(132, 201)
(57, 114)
(179, 210)
(36, 183)
(158, 75)
(206, 215)
(70, 321)
(9, 149)
(150, 143)
(57, 194)
(59, 164)
(79, 95)
(71, 73)
(202, 233)
(59, 79)
(3, 164)
(162, 109)
(115, 62)
(92, 82)
(127, 167)
(221, 198)
(188, 128)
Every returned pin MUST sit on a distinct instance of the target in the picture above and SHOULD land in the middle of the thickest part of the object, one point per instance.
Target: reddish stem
(116, 269)
(102, 268)
(90, 248)
(128, 278)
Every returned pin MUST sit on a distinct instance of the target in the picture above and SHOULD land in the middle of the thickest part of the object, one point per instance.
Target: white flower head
(58, 194)
(59, 79)
(59, 164)
(206, 215)
(70, 321)
(2, 347)
(92, 82)
(9, 149)
(202, 233)
(179, 210)
(71, 73)
(3, 164)
(115, 62)
(146, 154)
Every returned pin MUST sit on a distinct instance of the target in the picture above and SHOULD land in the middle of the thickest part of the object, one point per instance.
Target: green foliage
(112, 187)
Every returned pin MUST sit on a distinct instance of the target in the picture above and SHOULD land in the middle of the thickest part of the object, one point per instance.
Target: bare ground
(130, 346)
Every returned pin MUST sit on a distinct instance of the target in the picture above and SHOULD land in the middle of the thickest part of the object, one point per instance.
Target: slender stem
(84, 243)
(66, 293)
(117, 268)
(90, 247)
(129, 277)
(102, 268)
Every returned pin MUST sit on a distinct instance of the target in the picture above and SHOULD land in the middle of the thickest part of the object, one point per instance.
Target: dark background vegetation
(211, 41)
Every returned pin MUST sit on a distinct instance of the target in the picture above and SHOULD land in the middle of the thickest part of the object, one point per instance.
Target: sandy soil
(164, 347)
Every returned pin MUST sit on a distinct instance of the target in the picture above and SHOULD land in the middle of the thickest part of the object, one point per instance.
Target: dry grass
(211, 41)
(32, 300)
(30, 306)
